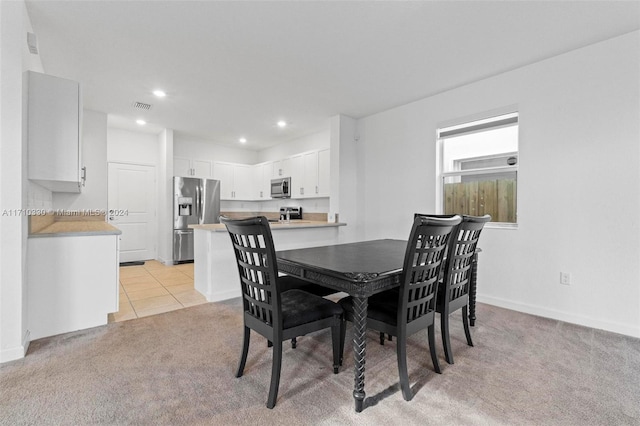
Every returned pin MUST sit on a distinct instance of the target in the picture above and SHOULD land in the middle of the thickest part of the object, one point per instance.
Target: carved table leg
(472, 289)
(359, 348)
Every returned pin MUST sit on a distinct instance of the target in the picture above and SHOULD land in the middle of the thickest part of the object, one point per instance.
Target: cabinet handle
(84, 175)
(316, 189)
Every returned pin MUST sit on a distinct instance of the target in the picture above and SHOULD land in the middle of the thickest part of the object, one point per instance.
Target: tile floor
(154, 288)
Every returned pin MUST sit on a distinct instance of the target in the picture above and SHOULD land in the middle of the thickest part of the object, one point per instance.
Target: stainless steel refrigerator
(195, 202)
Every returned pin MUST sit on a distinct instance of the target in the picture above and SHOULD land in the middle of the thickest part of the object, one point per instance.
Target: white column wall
(14, 336)
(165, 197)
(578, 189)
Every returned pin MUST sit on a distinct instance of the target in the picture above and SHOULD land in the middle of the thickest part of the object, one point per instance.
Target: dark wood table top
(360, 269)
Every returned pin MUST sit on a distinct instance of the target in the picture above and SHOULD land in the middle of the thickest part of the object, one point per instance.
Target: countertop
(72, 228)
(275, 226)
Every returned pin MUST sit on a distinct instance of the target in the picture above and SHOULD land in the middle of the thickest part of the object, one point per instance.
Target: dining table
(360, 269)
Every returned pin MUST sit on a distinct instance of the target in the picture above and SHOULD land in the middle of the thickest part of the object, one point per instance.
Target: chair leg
(294, 343)
(432, 348)
(336, 335)
(269, 343)
(343, 332)
(401, 351)
(465, 322)
(446, 342)
(275, 374)
(245, 350)
(382, 338)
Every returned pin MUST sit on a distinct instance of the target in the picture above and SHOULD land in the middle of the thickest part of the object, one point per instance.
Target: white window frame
(442, 175)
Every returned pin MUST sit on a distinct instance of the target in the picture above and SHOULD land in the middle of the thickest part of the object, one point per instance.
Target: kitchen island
(215, 267)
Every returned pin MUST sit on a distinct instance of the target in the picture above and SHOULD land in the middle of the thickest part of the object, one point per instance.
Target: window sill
(501, 225)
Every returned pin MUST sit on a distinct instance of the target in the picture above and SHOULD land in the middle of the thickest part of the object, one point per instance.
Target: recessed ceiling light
(141, 122)
(159, 93)
(282, 123)
(243, 140)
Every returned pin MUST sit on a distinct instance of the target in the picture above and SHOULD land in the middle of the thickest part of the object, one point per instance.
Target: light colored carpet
(178, 368)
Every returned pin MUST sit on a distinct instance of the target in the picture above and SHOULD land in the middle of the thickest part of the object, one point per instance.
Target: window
(480, 168)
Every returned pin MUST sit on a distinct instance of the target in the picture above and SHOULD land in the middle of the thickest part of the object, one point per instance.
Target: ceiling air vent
(142, 106)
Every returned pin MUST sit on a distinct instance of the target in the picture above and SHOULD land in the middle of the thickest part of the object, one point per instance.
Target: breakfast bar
(215, 269)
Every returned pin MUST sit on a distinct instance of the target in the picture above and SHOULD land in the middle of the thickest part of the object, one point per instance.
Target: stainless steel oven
(281, 188)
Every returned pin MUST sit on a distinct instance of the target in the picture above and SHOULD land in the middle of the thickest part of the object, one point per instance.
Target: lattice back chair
(456, 280)
(412, 308)
(268, 310)
(455, 285)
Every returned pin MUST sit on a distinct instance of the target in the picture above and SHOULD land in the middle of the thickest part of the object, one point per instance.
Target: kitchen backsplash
(39, 197)
(320, 217)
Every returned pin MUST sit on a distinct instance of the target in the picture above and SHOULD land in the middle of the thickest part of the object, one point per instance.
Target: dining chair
(272, 312)
(414, 307)
(453, 292)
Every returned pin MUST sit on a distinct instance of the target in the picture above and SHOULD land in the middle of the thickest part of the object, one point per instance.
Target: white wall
(194, 148)
(14, 60)
(313, 141)
(126, 146)
(578, 190)
(94, 158)
(165, 197)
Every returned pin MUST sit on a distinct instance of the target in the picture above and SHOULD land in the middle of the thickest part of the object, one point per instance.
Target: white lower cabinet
(72, 283)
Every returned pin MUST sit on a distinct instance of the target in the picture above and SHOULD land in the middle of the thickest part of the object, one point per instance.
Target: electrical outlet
(565, 278)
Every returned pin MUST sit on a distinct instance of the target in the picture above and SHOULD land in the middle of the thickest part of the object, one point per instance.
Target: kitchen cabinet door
(187, 167)
(310, 174)
(324, 173)
(54, 127)
(224, 173)
(201, 168)
(262, 175)
(282, 168)
(310, 182)
(297, 176)
(236, 180)
(181, 167)
(242, 182)
(72, 283)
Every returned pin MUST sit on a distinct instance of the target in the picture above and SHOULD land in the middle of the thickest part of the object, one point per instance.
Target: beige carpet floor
(178, 368)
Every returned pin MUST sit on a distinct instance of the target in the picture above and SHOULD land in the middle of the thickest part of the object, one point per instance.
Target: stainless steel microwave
(281, 188)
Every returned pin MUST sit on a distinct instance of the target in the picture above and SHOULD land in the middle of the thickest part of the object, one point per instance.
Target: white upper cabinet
(262, 175)
(281, 168)
(297, 176)
(187, 167)
(54, 129)
(324, 173)
(236, 180)
(310, 174)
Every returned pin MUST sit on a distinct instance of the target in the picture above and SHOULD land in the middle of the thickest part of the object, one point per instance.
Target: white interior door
(132, 209)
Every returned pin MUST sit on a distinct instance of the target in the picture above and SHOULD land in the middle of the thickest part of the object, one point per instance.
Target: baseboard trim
(615, 327)
(224, 295)
(17, 352)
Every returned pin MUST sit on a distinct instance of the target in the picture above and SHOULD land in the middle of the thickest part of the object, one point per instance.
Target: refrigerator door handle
(198, 203)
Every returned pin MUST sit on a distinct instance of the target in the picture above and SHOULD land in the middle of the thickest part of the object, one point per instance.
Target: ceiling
(233, 69)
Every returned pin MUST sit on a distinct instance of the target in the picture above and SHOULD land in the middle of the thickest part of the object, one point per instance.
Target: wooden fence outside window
(477, 198)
